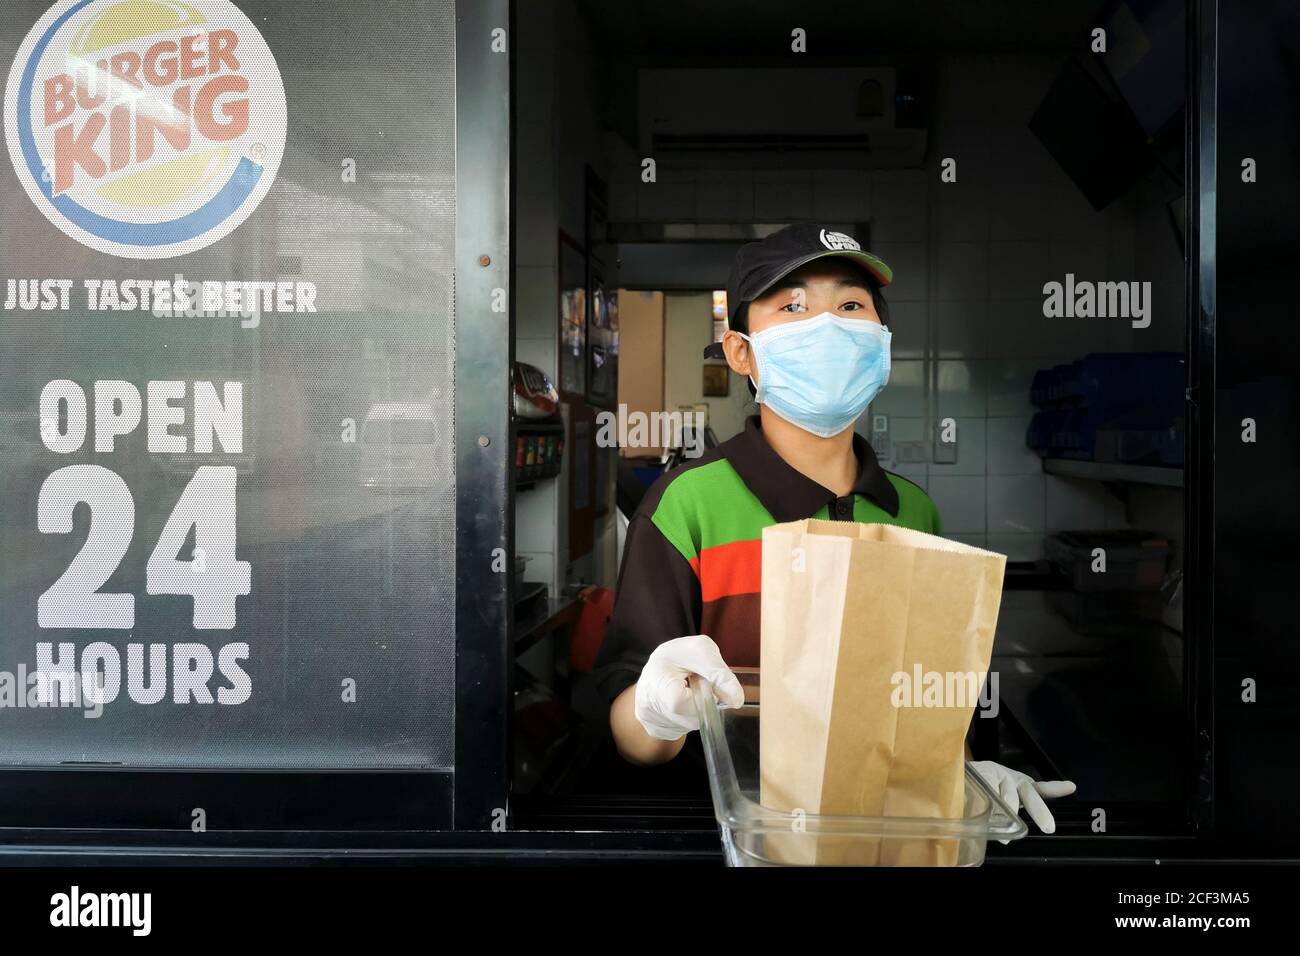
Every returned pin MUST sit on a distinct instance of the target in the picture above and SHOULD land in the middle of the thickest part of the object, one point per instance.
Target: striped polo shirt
(692, 561)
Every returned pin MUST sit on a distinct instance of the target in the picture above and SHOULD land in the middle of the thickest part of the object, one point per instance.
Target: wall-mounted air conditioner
(776, 117)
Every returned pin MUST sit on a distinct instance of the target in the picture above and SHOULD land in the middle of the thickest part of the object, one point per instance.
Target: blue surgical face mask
(821, 373)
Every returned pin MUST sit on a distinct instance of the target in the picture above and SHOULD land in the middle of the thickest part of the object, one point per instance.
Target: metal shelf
(1114, 471)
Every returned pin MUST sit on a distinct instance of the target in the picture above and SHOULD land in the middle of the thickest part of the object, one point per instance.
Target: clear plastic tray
(754, 835)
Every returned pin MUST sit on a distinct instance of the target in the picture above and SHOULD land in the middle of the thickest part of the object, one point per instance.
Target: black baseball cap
(760, 265)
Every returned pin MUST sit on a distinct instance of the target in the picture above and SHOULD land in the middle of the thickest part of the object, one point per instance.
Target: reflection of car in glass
(399, 442)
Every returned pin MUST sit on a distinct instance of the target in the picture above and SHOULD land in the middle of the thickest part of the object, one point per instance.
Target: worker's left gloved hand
(1017, 789)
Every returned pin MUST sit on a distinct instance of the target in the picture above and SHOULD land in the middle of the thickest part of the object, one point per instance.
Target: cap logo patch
(838, 240)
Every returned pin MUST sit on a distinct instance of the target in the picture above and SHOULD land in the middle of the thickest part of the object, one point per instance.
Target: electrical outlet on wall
(911, 451)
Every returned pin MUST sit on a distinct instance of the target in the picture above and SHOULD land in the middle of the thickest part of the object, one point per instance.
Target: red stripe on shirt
(729, 569)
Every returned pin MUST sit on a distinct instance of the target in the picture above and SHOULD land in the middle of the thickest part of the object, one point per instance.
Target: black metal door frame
(484, 353)
(1201, 247)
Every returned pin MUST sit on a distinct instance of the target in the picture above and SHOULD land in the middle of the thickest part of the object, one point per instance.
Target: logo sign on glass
(227, 477)
(145, 129)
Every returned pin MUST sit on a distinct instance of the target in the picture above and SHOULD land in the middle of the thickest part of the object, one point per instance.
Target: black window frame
(300, 814)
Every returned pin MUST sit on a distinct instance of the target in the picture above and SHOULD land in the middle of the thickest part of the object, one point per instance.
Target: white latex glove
(1016, 788)
(663, 697)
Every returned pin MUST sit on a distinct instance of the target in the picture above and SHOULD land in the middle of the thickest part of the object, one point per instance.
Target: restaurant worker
(808, 328)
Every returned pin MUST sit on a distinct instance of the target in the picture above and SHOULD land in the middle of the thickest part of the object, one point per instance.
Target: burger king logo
(145, 128)
(837, 240)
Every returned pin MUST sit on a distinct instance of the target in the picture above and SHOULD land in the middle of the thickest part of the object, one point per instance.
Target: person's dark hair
(740, 321)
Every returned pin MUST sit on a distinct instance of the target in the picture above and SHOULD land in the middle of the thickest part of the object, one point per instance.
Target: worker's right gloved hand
(664, 704)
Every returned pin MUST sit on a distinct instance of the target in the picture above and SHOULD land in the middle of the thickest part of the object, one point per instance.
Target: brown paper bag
(852, 614)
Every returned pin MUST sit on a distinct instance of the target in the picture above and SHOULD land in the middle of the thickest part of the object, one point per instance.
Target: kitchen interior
(982, 152)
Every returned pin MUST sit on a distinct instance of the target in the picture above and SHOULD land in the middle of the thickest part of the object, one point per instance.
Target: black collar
(789, 495)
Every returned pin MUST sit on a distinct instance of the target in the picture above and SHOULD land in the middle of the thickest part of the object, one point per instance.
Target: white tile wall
(963, 270)
(1084, 258)
(961, 389)
(1009, 380)
(963, 330)
(780, 195)
(725, 196)
(961, 502)
(900, 206)
(1015, 504)
(841, 195)
(911, 268)
(907, 322)
(1074, 504)
(976, 166)
(1017, 547)
(1020, 212)
(1020, 158)
(1074, 220)
(1020, 266)
(1007, 452)
(1018, 328)
(963, 207)
(905, 393)
(671, 196)
(1011, 327)
(962, 101)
